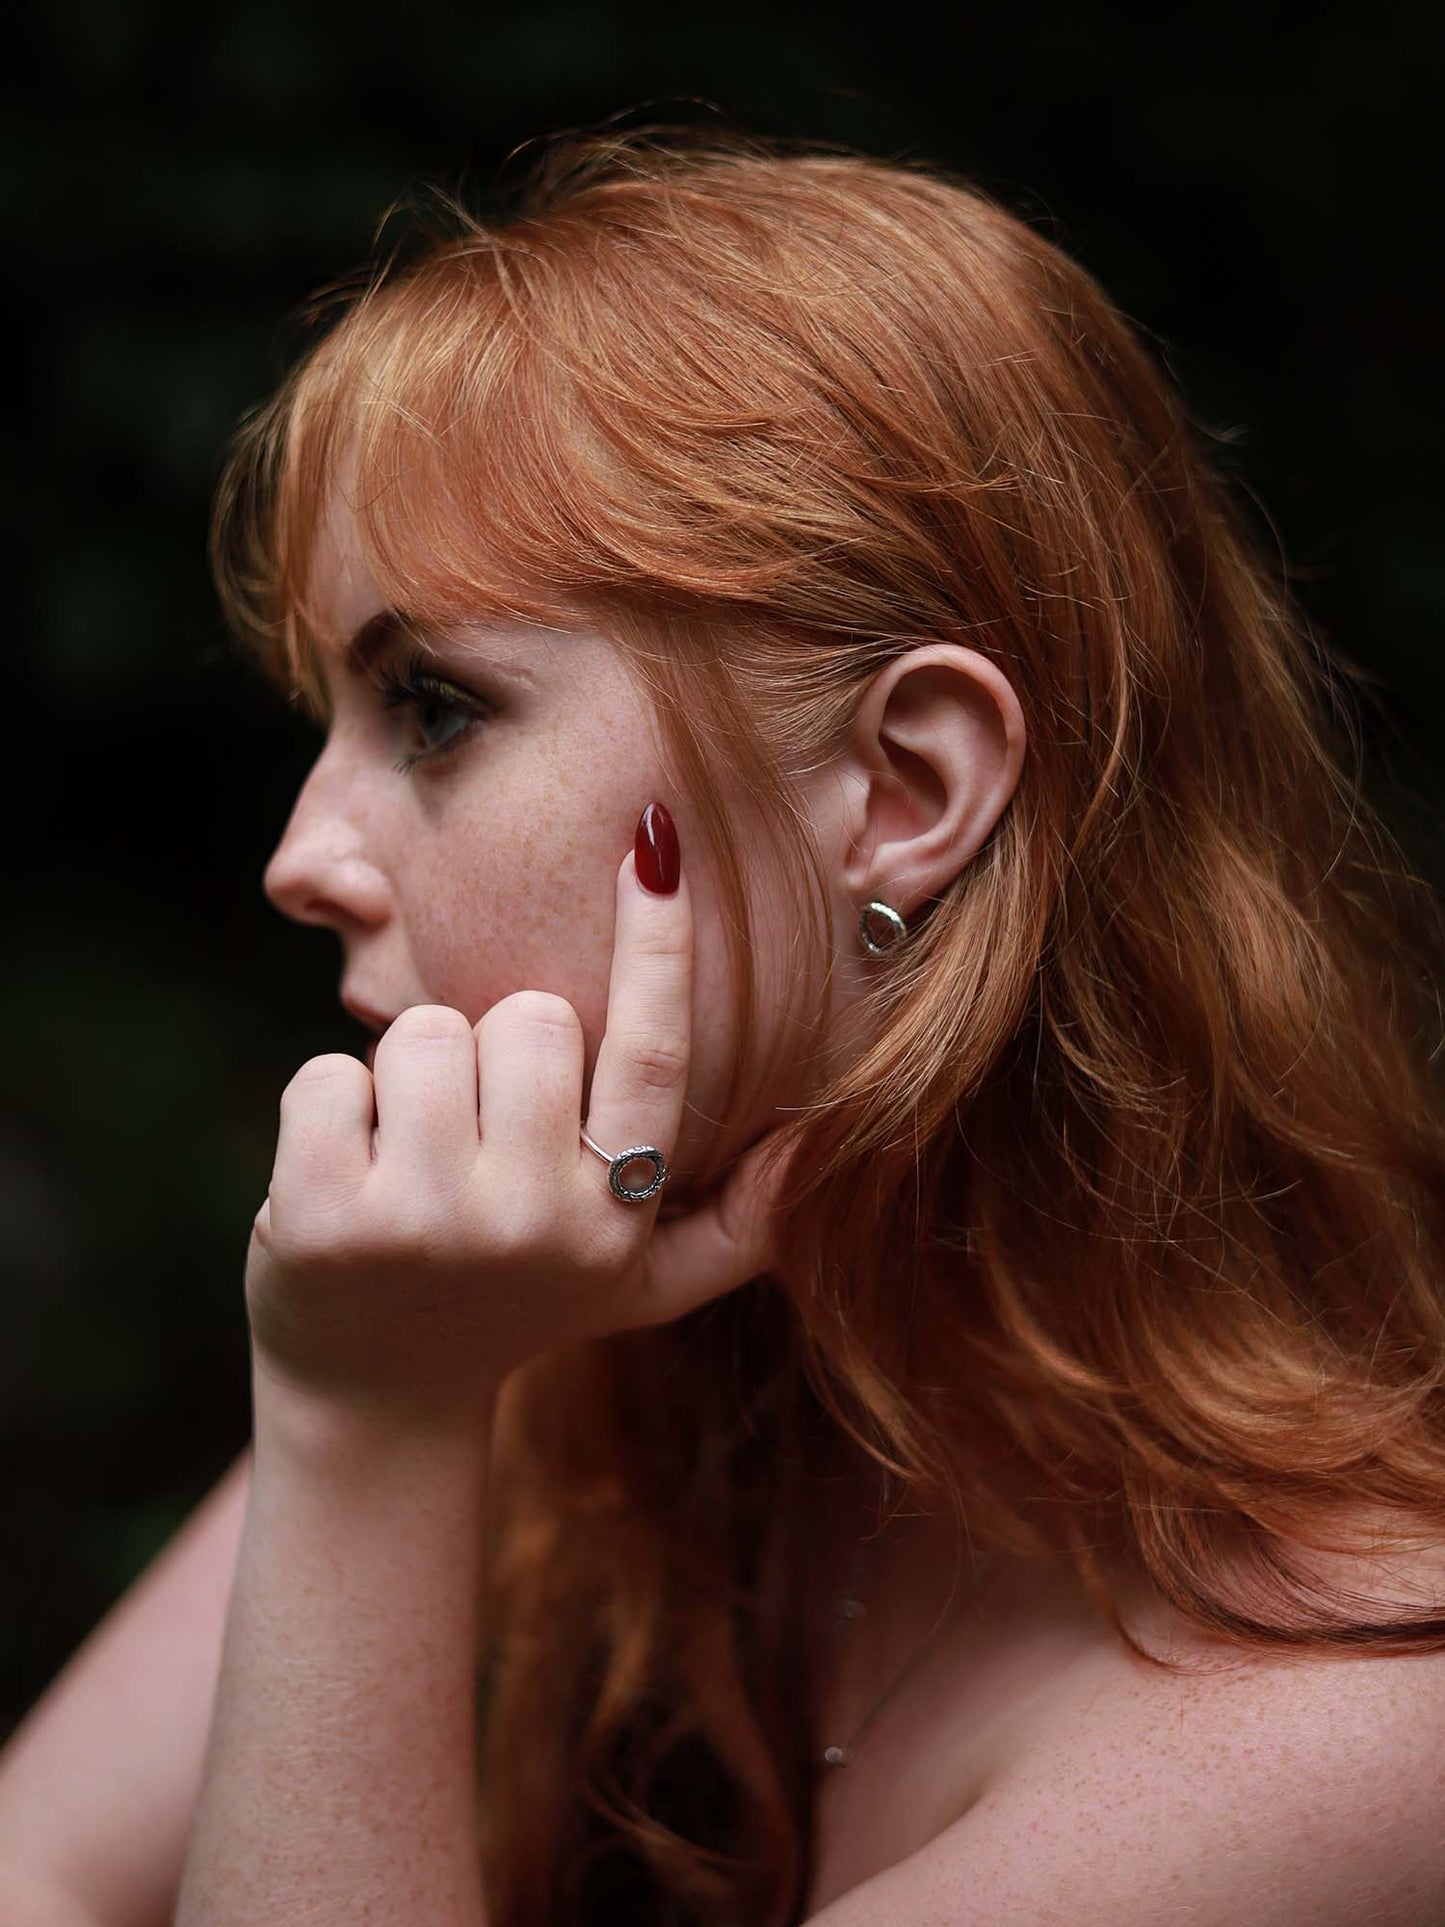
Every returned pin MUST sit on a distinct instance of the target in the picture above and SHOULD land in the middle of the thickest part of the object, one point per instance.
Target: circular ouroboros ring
(618, 1163)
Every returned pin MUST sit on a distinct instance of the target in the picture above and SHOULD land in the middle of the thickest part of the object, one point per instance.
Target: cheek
(514, 886)
(509, 915)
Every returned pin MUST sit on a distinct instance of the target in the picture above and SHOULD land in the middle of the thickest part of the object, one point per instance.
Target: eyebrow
(390, 625)
(377, 633)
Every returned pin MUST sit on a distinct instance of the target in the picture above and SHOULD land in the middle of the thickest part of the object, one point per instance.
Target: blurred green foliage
(1255, 186)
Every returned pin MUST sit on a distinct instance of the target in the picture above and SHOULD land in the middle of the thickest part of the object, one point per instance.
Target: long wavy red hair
(1147, 1139)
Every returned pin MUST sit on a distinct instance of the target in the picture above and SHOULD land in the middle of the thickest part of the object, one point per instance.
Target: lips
(374, 1020)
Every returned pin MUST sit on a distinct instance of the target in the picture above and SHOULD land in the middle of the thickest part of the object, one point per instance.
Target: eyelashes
(415, 688)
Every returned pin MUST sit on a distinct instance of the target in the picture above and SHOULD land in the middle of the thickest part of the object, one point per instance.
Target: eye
(433, 702)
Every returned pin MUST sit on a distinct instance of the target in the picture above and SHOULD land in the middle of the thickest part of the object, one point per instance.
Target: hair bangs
(439, 419)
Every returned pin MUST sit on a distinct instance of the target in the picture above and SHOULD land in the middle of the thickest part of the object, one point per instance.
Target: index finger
(639, 1084)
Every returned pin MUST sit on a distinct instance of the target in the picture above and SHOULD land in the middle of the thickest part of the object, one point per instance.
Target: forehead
(341, 593)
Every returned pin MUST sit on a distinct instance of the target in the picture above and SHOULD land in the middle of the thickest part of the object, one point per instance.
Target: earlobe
(936, 753)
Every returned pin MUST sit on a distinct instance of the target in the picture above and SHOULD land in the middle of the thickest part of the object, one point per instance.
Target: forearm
(340, 1774)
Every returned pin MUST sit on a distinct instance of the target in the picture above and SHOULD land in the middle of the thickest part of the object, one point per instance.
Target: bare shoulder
(99, 1782)
(1275, 1788)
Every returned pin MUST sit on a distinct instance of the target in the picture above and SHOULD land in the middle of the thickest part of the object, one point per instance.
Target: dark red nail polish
(655, 851)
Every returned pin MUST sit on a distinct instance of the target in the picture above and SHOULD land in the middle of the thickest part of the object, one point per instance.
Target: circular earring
(894, 929)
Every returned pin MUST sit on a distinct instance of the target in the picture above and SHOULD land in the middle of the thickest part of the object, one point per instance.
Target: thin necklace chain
(850, 1610)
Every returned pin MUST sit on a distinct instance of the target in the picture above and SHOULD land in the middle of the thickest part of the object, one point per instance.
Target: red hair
(1147, 1138)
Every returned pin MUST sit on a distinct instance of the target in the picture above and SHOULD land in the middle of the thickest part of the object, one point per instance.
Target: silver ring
(616, 1166)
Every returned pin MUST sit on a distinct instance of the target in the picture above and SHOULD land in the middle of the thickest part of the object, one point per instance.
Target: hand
(432, 1224)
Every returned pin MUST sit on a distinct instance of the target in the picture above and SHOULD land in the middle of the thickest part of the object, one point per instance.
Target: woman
(868, 1344)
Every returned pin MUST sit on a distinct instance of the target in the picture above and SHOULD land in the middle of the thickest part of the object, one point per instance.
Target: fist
(432, 1223)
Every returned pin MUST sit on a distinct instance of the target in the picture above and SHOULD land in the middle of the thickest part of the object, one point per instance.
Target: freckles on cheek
(516, 914)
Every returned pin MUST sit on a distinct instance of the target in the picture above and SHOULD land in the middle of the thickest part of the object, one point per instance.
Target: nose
(322, 870)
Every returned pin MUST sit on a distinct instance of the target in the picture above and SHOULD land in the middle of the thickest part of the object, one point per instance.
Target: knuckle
(414, 1219)
(657, 1063)
(667, 943)
(538, 1012)
(514, 1227)
(519, 1221)
(323, 1073)
(430, 1023)
(319, 1241)
(517, 1232)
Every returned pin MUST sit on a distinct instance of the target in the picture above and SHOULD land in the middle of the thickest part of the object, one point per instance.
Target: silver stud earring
(880, 940)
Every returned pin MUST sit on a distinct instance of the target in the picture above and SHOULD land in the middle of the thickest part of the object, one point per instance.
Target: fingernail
(655, 851)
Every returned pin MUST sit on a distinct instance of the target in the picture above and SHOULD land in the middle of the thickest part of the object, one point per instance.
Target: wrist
(330, 1431)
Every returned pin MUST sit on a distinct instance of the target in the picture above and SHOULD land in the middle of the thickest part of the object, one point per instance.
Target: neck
(908, 1570)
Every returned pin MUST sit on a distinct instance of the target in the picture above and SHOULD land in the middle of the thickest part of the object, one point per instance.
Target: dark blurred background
(1257, 187)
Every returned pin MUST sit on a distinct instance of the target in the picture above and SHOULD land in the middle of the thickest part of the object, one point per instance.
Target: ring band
(616, 1166)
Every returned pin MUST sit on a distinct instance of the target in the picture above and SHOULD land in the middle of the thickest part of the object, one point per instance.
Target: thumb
(726, 1241)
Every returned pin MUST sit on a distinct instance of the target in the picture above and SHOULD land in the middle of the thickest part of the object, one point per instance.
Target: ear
(933, 757)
